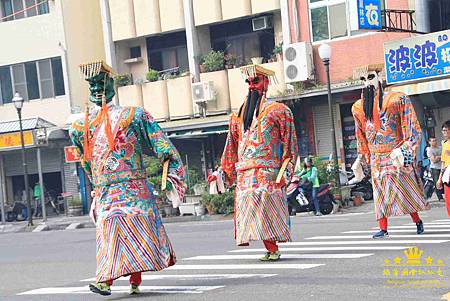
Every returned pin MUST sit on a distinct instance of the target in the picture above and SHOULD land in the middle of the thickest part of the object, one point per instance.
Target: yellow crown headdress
(255, 70)
(89, 70)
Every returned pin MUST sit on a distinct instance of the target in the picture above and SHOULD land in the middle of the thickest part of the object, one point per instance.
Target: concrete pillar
(41, 183)
(422, 16)
(286, 28)
(193, 47)
(2, 191)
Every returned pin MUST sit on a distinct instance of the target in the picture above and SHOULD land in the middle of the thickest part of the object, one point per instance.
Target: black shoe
(380, 234)
(419, 226)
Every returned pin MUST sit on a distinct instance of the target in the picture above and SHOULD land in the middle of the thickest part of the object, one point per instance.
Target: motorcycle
(363, 187)
(302, 202)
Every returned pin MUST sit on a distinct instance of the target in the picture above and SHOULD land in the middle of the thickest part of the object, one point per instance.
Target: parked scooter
(363, 187)
(302, 202)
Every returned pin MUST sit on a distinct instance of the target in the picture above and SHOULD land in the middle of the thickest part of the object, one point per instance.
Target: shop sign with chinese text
(420, 57)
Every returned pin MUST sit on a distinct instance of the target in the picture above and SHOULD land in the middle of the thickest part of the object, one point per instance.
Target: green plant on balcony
(213, 61)
(123, 79)
(152, 75)
(278, 51)
(230, 61)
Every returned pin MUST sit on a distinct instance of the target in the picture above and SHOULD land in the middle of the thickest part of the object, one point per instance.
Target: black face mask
(368, 100)
(251, 104)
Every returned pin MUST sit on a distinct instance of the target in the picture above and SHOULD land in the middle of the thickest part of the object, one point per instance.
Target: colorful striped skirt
(261, 209)
(396, 191)
(129, 243)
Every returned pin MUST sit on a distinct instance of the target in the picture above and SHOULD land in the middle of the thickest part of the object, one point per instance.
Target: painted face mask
(372, 83)
(99, 85)
(371, 79)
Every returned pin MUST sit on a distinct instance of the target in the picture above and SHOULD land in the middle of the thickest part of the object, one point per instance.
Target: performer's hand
(439, 184)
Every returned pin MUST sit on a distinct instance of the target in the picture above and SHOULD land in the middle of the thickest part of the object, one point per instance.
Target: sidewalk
(63, 222)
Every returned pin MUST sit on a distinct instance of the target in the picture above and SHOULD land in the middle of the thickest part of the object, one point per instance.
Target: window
(33, 80)
(19, 9)
(168, 52)
(330, 19)
(135, 52)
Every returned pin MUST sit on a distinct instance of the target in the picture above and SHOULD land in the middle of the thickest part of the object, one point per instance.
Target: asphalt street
(331, 258)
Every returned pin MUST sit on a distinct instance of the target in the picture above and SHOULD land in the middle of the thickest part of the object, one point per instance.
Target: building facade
(43, 42)
(322, 21)
(172, 37)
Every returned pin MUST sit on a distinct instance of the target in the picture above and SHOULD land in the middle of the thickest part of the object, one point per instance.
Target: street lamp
(18, 103)
(325, 54)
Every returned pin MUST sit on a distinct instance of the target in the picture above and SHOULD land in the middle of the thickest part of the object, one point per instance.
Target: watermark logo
(414, 271)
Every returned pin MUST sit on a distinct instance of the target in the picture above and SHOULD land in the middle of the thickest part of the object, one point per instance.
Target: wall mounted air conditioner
(202, 93)
(262, 23)
(298, 62)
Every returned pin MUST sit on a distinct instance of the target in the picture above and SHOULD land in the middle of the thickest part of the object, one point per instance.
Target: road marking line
(442, 220)
(370, 236)
(259, 266)
(364, 242)
(123, 289)
(430, 223)
(325, 249)
(397, 231)
(291, 256)
(193, 276)
(414, 227)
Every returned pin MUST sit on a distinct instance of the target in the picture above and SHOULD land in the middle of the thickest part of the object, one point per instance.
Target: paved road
(331, 258)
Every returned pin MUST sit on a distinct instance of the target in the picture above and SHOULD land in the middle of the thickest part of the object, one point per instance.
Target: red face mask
(259, 83)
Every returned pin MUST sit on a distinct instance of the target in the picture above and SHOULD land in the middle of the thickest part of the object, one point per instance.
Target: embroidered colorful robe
(130, 234)
(397, 191)
(253, 159)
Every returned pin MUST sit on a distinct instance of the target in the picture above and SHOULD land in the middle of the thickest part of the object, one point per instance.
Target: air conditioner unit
(262, 23)
(202, 93)
(298, 62)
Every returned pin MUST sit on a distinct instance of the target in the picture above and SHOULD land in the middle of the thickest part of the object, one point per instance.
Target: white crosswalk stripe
(390, 236)
(243, 263)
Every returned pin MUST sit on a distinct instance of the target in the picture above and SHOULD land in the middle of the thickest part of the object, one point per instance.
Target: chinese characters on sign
(12, 140)
(413, 273)
(72, 154)
(419, 57)
(369, 14)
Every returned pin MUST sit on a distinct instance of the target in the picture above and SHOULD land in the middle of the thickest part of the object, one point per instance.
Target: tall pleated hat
(362, 71)
(255, 70)
(88, 71)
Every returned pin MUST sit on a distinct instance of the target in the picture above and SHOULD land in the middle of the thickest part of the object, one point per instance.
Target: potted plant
(75, 206)
(230, 61)
(213, 61)
(278, 51)
(152, 75)
(123, 79)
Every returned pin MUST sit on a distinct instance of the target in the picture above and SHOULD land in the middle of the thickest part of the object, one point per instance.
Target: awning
(196, 134)
(195, 123)
(423, 87)
(27, 124)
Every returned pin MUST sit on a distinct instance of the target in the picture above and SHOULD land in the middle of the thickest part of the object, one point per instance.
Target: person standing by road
(434, 154)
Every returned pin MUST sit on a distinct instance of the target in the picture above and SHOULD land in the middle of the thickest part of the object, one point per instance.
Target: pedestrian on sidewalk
(131, 238)
(388, 135)
(309, 173)
(260, 153)
(434, 152)
(444, 177)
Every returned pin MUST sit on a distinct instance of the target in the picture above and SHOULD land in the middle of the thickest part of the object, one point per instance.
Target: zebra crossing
(215, 272)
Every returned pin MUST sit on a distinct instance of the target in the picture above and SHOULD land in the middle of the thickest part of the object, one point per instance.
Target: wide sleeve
(230, 153)
(163, 149)
(76, 137)
(411, 131)
(288, 137)
(360, 133)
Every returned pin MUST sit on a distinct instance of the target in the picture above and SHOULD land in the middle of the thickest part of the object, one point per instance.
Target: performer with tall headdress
(388, 135)
(111, 139)
(260, 154)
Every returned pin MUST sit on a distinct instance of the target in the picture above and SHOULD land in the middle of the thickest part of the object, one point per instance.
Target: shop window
(135, 52)
(441, 15)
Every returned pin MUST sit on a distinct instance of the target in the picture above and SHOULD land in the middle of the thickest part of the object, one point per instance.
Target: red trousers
(383, 222)
(447, 197)
(270, 245)
(135, 278)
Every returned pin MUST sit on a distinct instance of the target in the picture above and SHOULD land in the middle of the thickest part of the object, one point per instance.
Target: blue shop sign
(369, 14)
(420, 57)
